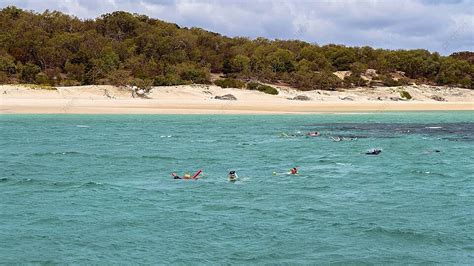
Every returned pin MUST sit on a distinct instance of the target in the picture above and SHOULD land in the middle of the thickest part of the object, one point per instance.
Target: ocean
(97, 189)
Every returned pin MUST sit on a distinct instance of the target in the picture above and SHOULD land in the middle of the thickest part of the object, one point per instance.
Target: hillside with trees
(121, 48)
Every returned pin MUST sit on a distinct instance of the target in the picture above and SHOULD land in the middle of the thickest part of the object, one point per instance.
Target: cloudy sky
(436, 25)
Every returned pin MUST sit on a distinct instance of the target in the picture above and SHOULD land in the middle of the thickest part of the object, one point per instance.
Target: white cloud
(443, 26)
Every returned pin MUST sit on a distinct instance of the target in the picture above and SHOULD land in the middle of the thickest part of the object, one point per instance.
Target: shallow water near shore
(97, 189)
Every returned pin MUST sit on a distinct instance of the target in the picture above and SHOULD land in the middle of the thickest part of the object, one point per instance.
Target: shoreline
(34, 106)
(200, 99)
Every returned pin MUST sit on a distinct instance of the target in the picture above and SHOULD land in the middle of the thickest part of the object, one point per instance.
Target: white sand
(199, 99)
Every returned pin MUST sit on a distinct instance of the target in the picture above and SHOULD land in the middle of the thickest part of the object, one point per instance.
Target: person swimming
(175, 176)
(232, 176)
(187, 175)
(313, 134)
(294, 171)
(373, 152)
(291, 135)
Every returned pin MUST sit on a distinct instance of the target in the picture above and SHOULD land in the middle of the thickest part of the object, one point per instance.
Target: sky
(442, 26)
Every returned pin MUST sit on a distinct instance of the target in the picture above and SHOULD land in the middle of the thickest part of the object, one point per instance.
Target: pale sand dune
(199, 99)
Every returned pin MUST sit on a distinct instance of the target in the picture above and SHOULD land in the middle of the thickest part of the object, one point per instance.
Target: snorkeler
(232, 176)
(175, 176)
(373, 152)
(187, 175)
(294, 171)
(313, 134)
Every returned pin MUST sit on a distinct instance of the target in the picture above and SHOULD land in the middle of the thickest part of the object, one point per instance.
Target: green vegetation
(261, 87)
(41, 87)
(391, 82)
(52, 48)
(405, 95)
(229, 83)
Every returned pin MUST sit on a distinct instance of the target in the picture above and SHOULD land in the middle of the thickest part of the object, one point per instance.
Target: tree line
(121, 48)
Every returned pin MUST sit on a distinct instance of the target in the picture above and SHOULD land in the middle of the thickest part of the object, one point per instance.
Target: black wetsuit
(375, 152)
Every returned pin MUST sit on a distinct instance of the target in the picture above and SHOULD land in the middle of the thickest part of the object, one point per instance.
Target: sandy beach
(200, 99)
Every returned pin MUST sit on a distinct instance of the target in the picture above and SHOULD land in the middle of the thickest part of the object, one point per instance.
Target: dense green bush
(455, 72)
(261, 87)
(70, 82)
(119, 78)
(43, 79)
(324, 80)
(268, 89)
(253, 85)
(75, 71)
(29, 72)
(229, 83)
(405, 95)
(193, 74)
(169, 80)
(389, 81)
(7, 63)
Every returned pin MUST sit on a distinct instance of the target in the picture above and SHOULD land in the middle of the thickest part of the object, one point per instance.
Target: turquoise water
(97, 189)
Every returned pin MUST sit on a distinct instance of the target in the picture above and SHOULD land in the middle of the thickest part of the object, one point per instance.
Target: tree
(29, 72)
(282, 60)
(74, 71)
(340, 57)
(118, 25)
(43, 79)
(241, 64)
(7, 63)
(120, 77)
(456, 72)
(193, 73)
(319, 61)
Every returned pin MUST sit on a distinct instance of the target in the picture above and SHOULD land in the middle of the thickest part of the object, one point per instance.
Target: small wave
(344, 164)
(215, 207)
(421, 172)
(247, 144)
(465, 138)
(40, 154)
(405, 234)
(54, 185)
(82, 126)
(164, 136)
(426, 172)
(26, 181)
(92, 183)
(433, 127)
(39, 182)
(324, 161)
(158, 157)
(304, 219)
(312, 210)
